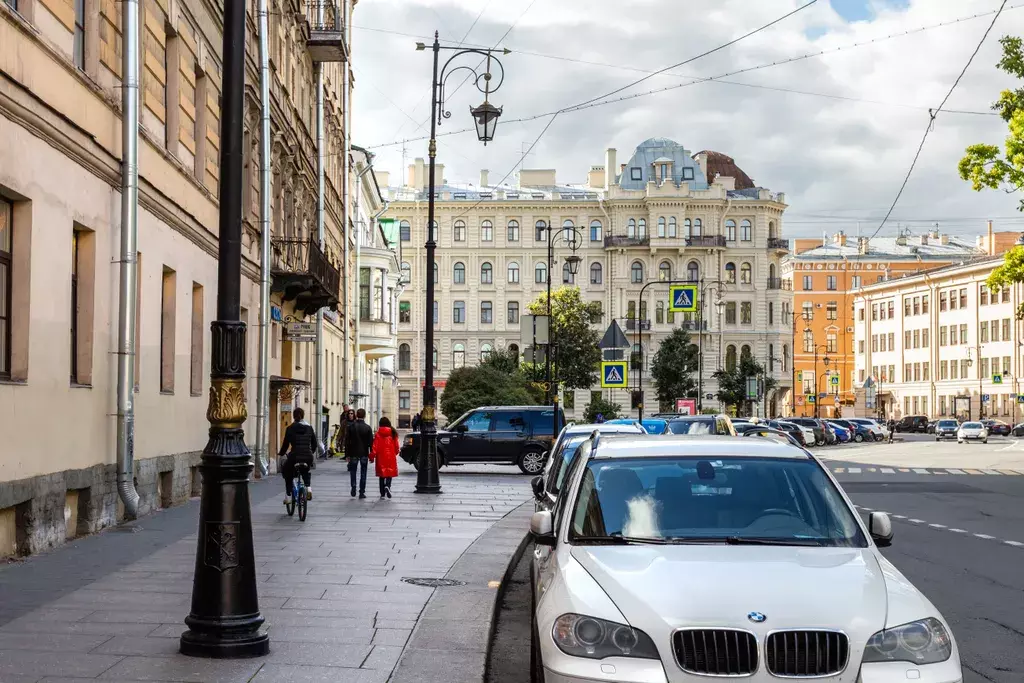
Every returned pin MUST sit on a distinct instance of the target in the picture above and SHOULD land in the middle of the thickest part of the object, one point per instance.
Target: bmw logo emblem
(757, 617)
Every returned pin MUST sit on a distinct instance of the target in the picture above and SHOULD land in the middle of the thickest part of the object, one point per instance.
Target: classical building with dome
(665, 214)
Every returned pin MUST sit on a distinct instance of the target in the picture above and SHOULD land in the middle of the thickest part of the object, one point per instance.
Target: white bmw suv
(669, 558)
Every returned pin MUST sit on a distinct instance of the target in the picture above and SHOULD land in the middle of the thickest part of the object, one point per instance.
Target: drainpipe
(127, 295)
(318, 381)
(346, 381)
(263, 370)
(359, 250)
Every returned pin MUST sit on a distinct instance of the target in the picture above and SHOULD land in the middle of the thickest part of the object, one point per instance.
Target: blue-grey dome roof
(640, 167)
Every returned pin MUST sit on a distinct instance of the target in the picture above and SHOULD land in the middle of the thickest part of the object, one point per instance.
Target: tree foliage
(732, 384)
(486, 385)
(673, 367)
(600, 406)
(577, 355)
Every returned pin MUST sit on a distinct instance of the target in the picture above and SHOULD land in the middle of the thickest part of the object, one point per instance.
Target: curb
(499, 597)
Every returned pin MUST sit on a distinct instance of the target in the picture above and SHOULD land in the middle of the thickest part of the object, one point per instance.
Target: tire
(984, 440)
(301, 504)
(531, 462)
(859, 438)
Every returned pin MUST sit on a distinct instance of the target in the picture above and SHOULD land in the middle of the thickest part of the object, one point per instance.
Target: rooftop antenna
(404, 156)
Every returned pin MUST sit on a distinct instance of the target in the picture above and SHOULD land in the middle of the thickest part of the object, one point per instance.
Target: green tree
(732, 384)
(577, 355)
(503, 360)
(599, 406)
(673, 367)
(485, 385)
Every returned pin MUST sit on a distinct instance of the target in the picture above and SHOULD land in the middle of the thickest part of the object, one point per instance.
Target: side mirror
(538, 486)
(541, 528)
(462, 429)
(880, 528)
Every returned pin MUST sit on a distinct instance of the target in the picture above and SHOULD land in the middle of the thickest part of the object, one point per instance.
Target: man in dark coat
(301, 438)
(358, 440)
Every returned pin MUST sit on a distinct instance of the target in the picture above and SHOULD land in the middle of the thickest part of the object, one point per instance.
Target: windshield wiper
(753, 540)
(618, 539)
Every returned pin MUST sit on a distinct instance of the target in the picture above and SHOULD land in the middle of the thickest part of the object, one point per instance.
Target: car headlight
(581, 636)
(919, 642)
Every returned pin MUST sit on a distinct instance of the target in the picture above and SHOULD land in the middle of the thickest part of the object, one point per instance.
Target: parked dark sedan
(997, 427)
(1018, 430)
(946, 429)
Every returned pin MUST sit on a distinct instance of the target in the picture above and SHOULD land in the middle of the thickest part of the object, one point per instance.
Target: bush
(599, 406)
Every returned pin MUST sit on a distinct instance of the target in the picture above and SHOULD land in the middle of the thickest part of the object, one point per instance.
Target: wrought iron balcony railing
(694, 325)
(623, 241)
(633, 324)
(326, 42)
(302, 273)
(778, 243)
(779, 283)
(706, 241)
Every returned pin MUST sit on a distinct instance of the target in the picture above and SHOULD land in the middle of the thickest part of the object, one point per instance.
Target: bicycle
(299, 499)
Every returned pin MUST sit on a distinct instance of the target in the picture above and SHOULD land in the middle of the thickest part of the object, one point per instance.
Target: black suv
(504, 435)
(822, 434)
(913, 423)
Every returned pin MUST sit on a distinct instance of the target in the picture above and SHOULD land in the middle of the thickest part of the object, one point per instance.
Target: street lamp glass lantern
(573, 262)
(486, 118)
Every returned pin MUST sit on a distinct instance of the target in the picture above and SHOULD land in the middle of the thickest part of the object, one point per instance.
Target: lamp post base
(427, 478)
(221, 644)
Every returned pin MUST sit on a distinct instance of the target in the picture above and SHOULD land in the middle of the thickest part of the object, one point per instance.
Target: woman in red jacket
(385, 454)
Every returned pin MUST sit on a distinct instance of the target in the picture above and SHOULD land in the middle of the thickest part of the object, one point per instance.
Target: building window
(404, 357)
(730, 313)
(406, 272)
(906, 339)
(198, 332)
(459, 312)
(595, 231)
(746, 313)
(541, 229)
(698, 227)
(404, 312)
(807, 311)
(661, 226)
(635, 173)
(486, 274)
(745, 231)
(1004, 295)
(513, 312)
(953, 372)
(437, 273)
(659, 312)
(459, 273)
(983, 332)
(830, 283)
(917, 305)
(432, 233)
(984, 366)
(771, 313)
(434, 359)
(687, 227)
(485, 352)
(513, 231)
(831, 343)
(513, 272)
(730, 273)
(486, 313)
(486, 231)
(808, 341)
(964, 364)
(808, 280)
(924, 304)
(540, 273)
(405, 231)
(832, 310)
(79, 46)
(745, 274)
(74, 306)
(963, 297)
(459, 231)
(458, 356)
(595, 273)
(730, 358)
(892, 341)
(636, 272)
(785, 357)
(404, 399)
(167, 326)
(636, 357)
(693, 271)
(860, 348)
(924, 338)
(983, 295)
(856, 282)
(730, 230)
(364, 293)
(672, 226)
(892, 310)
(1006, 328)
(942, 301)
(963, 334)
(906, 307)
(665, 271)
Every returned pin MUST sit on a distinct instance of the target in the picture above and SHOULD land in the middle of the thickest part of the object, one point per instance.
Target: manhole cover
(434, 583)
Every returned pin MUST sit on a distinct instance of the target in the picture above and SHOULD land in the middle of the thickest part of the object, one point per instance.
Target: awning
(277, 381)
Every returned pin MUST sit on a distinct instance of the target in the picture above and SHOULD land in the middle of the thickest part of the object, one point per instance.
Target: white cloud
(827, 155)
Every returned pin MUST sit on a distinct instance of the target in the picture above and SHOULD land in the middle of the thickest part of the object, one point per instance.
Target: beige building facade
(60, 177)
(665, 214)
(941, 344)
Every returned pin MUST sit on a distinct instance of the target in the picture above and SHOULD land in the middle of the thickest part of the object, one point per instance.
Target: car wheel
(859, 438)
(531, 462)
(984, 440)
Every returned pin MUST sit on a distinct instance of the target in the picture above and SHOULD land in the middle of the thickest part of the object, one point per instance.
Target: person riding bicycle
(301, 437)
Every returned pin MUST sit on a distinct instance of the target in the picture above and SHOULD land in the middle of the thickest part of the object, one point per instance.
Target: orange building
(826, 275)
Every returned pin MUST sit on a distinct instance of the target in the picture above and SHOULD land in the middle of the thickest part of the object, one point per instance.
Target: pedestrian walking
(348, 416)
(384, 455)
(416, 422)
(358, 440)
(891, 426)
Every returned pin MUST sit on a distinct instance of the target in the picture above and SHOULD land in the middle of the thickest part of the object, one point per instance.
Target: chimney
(991, 241)
(609, 166)
(439, 179)
(419, 175)
(840, 238)
(702, 161)
(483, 178)
(595, 179)
(943, 239)
(862, 245)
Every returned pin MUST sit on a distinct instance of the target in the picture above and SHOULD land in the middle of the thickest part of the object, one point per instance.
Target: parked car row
(671, 558)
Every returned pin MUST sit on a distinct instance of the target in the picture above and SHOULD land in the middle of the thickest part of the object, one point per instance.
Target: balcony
(326, 41)
(706, 241)
(778, 243)
(633, 324)
(300, 272)
(376, 338)
(779, 283)
(623, 241)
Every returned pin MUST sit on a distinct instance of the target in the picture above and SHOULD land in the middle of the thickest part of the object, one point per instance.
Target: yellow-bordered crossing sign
(614, 374)
(682, 298)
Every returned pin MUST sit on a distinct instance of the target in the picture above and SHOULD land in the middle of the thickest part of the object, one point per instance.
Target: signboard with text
(300, 332)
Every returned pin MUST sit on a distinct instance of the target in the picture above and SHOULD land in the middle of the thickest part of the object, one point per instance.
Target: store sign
(300, 332)
(275, 313)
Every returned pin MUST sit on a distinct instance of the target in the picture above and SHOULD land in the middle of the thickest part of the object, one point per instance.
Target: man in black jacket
(358, 440)
(301, 437)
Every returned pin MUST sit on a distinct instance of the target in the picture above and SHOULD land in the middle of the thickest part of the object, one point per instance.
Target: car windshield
(947, 423)
(784, 501)
(972, 425)
(692, 427)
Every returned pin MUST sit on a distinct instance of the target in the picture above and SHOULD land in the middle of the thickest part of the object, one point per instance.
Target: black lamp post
(485, 118)
(225, 619)
(572, 262)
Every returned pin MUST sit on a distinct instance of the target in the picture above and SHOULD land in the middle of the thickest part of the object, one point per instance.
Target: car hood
(661, 588)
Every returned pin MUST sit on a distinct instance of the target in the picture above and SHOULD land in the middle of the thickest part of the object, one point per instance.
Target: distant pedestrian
(358, 440)
(384, 455)
(891, 426)
(416, 422)
(348, 416)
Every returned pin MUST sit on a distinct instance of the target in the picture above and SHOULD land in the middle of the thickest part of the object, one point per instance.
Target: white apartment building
(665, 214)
(939, 343)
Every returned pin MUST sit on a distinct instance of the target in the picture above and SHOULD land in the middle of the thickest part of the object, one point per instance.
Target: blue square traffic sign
(682, 298)
(614, 374)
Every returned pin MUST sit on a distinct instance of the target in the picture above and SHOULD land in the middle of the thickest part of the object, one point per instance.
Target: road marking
(985, 536)
(921, 471)
(972, 471)
(1012, 473)
(872, 469)
(916, 521)
(1016, 544)
(956, 471)
(904, 469)
(888, 470)
(899, 516)
(854, 470)
(839, 470)
(990, 471)
(493, 584)
(958, 531)
(937, 526)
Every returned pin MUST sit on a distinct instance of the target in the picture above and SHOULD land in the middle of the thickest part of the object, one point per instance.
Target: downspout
(346, 379)
(127, 296)
(318, 381)
(359, 249)
(263, 369)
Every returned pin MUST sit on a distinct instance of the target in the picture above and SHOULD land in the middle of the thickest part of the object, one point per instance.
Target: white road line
(1016, 544)
(899, 516)
(958, 531)
(916, 521)
(985, 536)
(888, 470)
(854, 470)
(921, 471)
(991, 472)
(951, 471)
(937, 526)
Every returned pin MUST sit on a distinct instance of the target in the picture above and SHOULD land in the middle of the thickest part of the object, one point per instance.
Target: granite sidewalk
(333, 590)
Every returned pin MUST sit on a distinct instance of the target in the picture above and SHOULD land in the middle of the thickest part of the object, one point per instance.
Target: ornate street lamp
(486, 118)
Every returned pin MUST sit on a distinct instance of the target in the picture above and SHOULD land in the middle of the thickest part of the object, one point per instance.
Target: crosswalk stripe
(919, 470)
(888, 470)
(938, 526)
(972, 471)
(872, 469)
(990, 472)
(959, 531)
(854, 470)
(916, 521)
(903, 469)
(839, 470)
(984, 536)
(1017, 544)
(1012, 473)
(956, 471)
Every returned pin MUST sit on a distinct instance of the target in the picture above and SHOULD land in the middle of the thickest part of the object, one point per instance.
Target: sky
(839, 159)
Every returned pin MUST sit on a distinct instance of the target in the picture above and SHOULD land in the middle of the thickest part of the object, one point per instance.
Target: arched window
(693, 271)
(458, 356)
(687, 227)
(569, 233)
(513, 272)
(665, 271)
(404, 357)
(746, 232)
(486, 274)
(513, 349)
(486, 231)
(631, 227)
(405, 231)
(437, 273)
(771, 229)
(730, 358)
(641, 228)
(730, 230)
(697, 227)
(406, 272)
(771, 274)
(659, 312)
(433, 231)
(595, 273)
(459, 273)
(661, 226)
(567, 277)
(745, 274)
(672, 226)
(485, 351)
(513, 231)
(459, 231)
(540, 273)
(730, 273)
(636, 357)
(435, 358)
(542, 231)
(636, 272)
(595, 231)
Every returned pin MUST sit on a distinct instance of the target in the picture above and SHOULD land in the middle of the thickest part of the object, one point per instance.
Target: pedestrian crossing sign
(682, 298)
(997, 379)
(614, 374)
